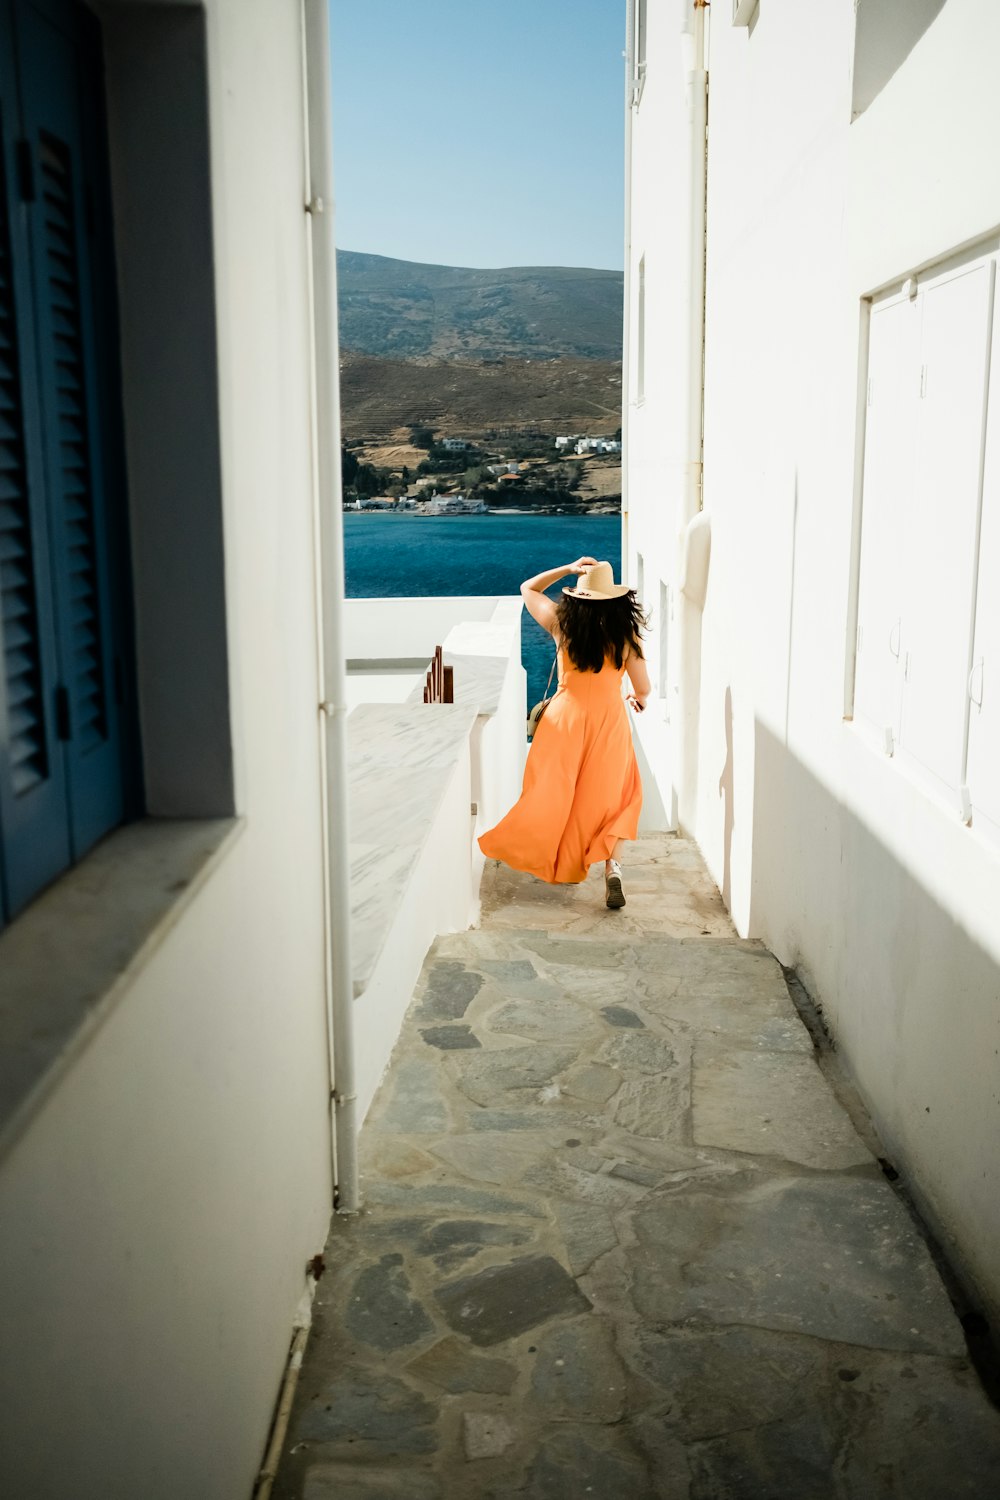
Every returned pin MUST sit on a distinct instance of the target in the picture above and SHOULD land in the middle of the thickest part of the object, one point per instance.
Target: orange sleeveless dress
(581, 789)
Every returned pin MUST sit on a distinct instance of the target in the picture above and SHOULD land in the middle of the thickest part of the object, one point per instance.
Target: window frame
(957, 800)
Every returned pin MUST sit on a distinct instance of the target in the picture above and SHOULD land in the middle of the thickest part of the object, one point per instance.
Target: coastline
(573, 512)
(476, 554)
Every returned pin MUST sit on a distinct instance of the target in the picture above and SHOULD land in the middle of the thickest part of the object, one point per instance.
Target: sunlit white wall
(823, 845)
(655, 374)
(161, 1207)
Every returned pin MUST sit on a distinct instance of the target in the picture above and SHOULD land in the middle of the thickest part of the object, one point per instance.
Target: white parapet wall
(409, 782)
(425, 779)
(381, 630)
(486, 658)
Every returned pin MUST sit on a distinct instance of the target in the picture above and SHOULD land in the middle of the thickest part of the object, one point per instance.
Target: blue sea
(398, 556)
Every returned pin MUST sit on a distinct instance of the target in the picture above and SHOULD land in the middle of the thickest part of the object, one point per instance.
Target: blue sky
(480, 132)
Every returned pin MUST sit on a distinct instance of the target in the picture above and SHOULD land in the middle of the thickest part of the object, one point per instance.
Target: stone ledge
(400, 762)
(69, 958)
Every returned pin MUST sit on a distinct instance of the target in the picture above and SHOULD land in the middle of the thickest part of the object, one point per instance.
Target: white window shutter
(984, 678)
(893, 370)
(939, 521)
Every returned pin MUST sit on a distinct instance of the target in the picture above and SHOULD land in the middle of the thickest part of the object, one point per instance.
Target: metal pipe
(272, 1458)
(690, 498)
(269, 1470)
(627, 300)
(698, 86)
(329, 529)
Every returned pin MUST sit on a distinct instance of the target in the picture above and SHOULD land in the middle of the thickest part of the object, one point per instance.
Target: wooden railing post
(439, 684)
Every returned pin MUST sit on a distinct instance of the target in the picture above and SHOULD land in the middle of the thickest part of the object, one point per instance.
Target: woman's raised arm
(539, 606)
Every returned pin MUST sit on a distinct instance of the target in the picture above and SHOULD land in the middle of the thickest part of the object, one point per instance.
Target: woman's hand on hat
(637, 700)
(582, 564)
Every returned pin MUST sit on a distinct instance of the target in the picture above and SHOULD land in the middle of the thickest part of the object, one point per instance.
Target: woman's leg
(614, 896)
(614, 856)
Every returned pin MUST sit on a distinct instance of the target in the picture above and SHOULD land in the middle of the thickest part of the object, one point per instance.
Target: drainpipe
(627, 298)
(698, 107)
(693, 531)
(328, 503)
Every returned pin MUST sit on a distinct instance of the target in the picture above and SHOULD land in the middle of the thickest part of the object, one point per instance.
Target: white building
(181, 970)
(453, 445)
(812, 511)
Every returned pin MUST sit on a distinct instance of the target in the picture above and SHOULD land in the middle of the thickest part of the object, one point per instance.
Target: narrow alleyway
(622, 1241)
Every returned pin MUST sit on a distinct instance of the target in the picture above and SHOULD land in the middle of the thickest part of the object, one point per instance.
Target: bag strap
(551, 670)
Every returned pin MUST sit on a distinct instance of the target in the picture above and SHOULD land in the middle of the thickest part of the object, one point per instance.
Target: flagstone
(771, 1105)
(834, 1257)
(503, 1301)
(631, 1245)
(451, 1365)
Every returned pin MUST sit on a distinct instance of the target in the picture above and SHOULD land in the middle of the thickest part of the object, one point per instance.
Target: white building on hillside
(812, 511)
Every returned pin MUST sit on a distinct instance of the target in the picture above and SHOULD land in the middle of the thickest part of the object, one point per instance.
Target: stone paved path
(622, 1241)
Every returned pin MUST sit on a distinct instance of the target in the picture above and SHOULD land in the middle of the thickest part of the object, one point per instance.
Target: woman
(582, 794)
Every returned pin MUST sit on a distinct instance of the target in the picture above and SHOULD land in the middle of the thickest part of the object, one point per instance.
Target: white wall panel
(984, 713)
(893, 375)
(939, 525)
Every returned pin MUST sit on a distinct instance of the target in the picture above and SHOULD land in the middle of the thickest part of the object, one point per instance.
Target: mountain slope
(407, 310)
(380, 397)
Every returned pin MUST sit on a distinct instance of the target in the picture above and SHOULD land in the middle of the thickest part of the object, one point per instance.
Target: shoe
(614, 896)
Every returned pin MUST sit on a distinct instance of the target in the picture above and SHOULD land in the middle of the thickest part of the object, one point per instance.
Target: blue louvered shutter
(63, 772)
(34, 829)
(61, 222)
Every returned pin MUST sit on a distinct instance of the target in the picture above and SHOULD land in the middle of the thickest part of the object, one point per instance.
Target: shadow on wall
(728, 816)
(689, 672)
(912, 999)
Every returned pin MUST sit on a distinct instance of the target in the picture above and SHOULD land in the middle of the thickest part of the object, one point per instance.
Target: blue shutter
(25, 747)
(62, 771)
(74, 476)
(34, 833)
(64, 248)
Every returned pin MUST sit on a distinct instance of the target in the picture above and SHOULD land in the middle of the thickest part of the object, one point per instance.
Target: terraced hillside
(465, 398)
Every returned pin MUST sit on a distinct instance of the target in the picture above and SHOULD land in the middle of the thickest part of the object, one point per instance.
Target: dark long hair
(592, 629)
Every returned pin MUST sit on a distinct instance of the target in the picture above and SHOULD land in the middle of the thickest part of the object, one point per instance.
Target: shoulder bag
(535, 716)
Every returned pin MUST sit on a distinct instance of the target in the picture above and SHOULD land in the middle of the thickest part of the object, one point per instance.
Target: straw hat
(598, 583)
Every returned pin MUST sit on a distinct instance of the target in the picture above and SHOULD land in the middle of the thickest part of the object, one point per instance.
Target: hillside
(408, 310)
(462, 397)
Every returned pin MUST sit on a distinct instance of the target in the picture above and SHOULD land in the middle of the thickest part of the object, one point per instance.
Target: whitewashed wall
(824, 846)
(654, 417)
(479, 780)
(439, 896)
(407, 628)
(479, 628)
(159, 1212)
